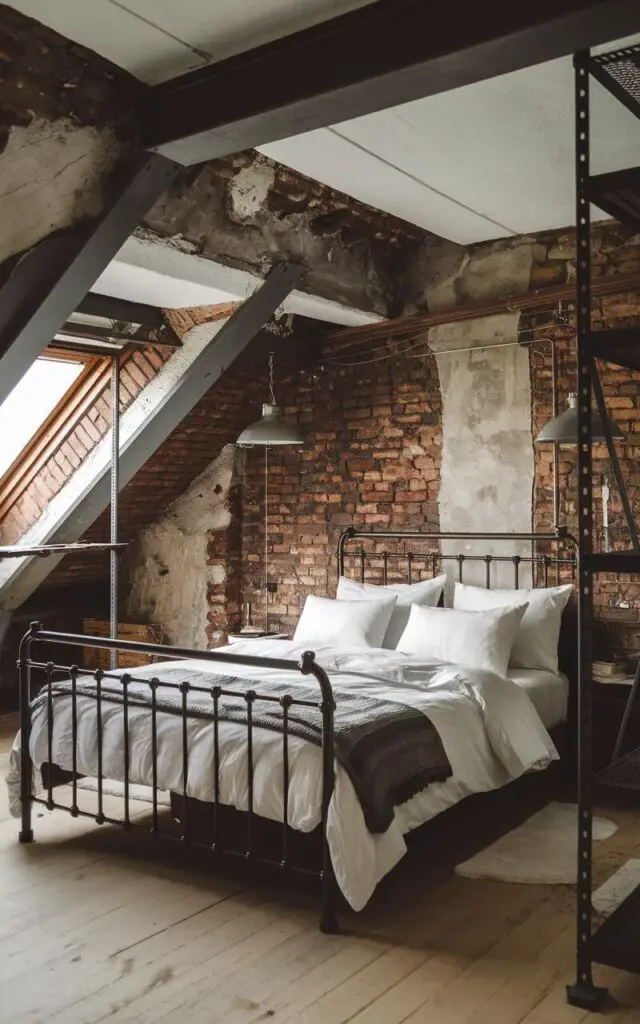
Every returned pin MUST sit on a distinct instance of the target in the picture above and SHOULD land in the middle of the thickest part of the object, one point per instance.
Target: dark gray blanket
(389, 750)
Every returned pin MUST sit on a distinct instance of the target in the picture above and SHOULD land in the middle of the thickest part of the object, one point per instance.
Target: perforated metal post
(583, 993)
(115, 484)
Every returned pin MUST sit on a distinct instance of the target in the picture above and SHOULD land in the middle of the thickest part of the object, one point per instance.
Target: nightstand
(609, 703)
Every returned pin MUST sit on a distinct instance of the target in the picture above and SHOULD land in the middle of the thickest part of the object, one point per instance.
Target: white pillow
(475, 639)
(344, 623)
(426, 593)
(536, 643)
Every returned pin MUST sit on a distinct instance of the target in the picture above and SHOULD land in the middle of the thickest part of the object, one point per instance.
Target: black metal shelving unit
(615, 943)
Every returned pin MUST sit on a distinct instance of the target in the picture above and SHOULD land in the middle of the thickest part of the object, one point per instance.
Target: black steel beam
(48, 283)
(386, 53)
(96, 332)
(122, 310)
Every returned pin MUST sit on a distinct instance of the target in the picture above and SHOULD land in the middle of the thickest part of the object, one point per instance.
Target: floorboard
(98, 926)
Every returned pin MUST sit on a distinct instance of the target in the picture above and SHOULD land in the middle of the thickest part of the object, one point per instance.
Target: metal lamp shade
(270, 430)
(563, 429)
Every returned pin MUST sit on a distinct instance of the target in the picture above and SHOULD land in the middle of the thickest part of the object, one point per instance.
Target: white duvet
(490, 730)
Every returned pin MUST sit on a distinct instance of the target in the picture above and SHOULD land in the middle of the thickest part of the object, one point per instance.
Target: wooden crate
(147, 634)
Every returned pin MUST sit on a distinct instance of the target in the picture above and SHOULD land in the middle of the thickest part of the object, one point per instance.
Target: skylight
(34, 397)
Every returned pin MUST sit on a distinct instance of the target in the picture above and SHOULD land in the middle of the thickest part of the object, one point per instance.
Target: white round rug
(542, 850)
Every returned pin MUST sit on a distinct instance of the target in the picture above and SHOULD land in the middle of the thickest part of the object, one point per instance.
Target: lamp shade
(563, 429)
(270, 430)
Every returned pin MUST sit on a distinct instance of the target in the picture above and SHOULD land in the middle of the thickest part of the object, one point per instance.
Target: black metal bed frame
(431, 559)
(50, 670)
(307, 666)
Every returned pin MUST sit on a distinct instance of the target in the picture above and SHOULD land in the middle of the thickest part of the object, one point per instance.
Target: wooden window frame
(58, 425)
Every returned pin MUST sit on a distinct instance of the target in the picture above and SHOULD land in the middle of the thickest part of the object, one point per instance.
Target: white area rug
(617, 888)
(143, 794)
(542, 850)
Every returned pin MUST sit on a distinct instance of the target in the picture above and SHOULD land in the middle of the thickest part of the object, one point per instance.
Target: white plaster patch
(487, 473)
(51, 175)
(454, 275)
(249, 189)
(496, 269)
(169, 571)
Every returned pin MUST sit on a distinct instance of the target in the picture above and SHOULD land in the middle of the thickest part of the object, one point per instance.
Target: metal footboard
(49, 670)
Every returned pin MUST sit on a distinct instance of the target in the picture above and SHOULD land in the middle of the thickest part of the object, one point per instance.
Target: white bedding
(490, 730)
(548, 692)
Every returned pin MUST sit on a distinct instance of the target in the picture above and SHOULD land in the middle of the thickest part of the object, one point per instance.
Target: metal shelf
(619, 72)
(616, 943)
(620, 346)
(614, 561)
(44, 550)
(618, 194)
(623, 773)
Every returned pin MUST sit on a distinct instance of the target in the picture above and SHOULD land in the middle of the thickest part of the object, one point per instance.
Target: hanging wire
(266, 538)
(271, 384)
(392, 350)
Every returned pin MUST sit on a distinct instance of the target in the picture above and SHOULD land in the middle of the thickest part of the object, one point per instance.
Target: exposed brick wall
(361, 422)
(45, 75)
(616, 598)
(371, 458)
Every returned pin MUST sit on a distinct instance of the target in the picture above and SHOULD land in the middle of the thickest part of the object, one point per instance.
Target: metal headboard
(434, 561)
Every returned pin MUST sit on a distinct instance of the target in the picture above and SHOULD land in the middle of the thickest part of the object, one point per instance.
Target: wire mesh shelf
(619, 71)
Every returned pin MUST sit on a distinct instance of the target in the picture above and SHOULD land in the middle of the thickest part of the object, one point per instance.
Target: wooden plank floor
(97, 926)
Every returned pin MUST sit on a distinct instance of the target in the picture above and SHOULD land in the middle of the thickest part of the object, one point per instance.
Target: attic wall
(65, 124)
(381, 421)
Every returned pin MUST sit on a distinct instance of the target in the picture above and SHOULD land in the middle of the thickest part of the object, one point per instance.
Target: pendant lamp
(270, 429)
(268, 432)
(563, 429)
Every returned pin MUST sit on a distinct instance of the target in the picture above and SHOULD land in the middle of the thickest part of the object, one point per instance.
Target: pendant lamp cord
(266, 505)
(266, 538)
(271, 386)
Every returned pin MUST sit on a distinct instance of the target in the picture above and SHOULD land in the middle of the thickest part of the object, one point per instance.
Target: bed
(301, 741)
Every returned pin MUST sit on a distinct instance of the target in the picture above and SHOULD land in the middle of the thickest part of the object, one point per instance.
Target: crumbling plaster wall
(171, 571)
(65, 123)
(248, 212)
(487, 472)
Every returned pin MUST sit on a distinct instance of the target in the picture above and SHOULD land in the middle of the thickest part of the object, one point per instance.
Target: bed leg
(328, 917)
(26, 768)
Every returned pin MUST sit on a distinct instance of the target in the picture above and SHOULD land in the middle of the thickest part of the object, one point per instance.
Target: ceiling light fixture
(563, 429)
(270, 429)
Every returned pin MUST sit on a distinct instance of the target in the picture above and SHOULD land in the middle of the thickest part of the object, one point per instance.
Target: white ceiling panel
(329, 156)
(227, 27)
(489, 160)
(159, 39)
(116, 34)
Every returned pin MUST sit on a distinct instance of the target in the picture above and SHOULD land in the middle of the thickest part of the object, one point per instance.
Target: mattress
(548, 692)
